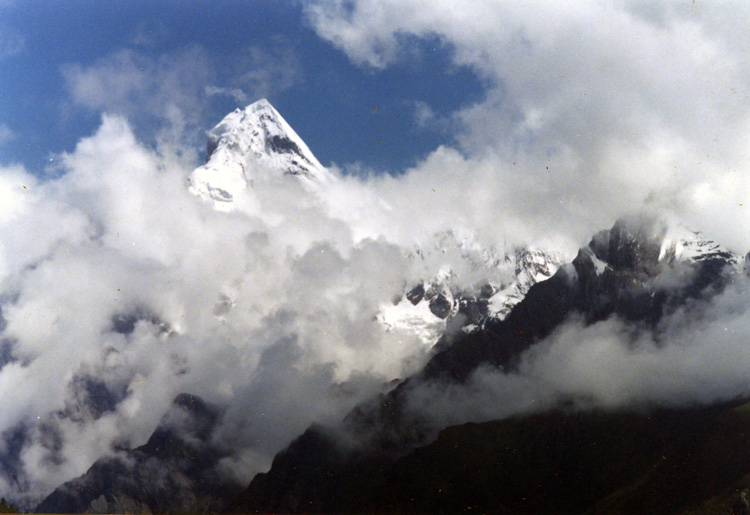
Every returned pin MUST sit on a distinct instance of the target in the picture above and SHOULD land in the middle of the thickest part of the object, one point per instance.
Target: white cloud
(465, 194)
(272, 313)
(591, 109)
(698, 355)
(236, 93)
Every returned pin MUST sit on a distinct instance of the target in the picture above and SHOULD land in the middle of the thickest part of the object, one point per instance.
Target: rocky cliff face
(631, 271)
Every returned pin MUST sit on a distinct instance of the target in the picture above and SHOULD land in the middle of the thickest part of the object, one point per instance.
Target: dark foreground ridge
(694, 460)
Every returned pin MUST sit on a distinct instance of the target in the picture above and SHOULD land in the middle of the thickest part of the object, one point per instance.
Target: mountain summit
(249, 145)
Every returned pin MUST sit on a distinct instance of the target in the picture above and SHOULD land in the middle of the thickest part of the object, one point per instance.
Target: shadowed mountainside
(603, 461)
(174, 472)
(662, 461)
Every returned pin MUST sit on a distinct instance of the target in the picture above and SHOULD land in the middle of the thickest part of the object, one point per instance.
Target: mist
(697, 355)
(110, 270)
(120, 290)
(114, 271)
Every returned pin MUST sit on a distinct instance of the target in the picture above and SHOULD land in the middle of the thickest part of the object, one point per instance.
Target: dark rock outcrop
(174, 472)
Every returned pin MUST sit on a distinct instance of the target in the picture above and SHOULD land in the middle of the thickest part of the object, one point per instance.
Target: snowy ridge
(430, 307)
(532, 266)
(683, 244)
(249, 145)
(414, 319)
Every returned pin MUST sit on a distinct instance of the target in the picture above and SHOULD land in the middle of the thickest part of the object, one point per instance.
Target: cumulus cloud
(590, 109)
(116, 280)
(590, 112)
(113, 273)
(468, 195)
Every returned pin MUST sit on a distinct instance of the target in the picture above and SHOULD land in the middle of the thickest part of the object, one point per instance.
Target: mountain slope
(443, 302)
(631, 271)
(662, 461)
(628, 271)
(174, 472)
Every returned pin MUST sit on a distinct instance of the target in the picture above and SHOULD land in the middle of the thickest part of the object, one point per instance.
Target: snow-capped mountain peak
(682, 244)
(249, 145)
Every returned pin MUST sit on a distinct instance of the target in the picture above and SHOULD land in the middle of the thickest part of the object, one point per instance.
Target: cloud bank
(113, 271)
(697, 355)
(590, 110)
(119, 289)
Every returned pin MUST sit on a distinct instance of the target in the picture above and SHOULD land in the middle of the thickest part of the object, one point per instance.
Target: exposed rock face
(635, 271)
(174, 472)
(444, 302)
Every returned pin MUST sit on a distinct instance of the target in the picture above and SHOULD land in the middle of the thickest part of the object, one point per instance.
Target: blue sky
(569, 113)
(346, 113)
